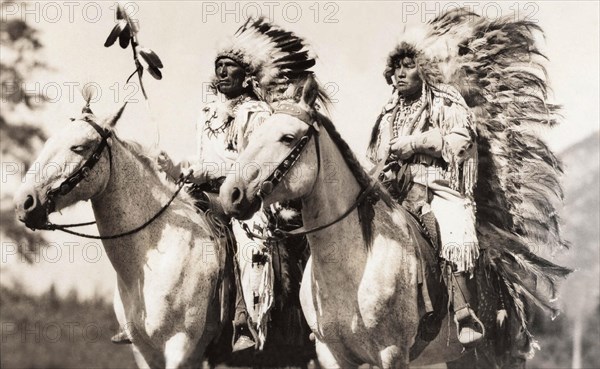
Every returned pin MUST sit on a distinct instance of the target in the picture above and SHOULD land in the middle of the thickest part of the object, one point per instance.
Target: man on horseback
(237, 110)
(222, 127)
(250, 72)
(426, 138)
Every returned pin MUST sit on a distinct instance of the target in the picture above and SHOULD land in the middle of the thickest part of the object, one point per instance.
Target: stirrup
(242, 343)
(466, 327)
(244, 340)
(121, 338)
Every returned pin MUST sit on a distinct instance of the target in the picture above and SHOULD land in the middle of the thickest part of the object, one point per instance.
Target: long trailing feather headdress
(498, 68)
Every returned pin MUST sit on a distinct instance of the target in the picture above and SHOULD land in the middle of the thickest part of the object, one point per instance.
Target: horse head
(73, 165)
(279, 162)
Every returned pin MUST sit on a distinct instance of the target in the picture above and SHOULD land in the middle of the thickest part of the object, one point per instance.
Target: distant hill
(573, 339)
(581, 222)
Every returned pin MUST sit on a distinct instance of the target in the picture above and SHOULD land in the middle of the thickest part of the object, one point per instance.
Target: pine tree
(21, 135)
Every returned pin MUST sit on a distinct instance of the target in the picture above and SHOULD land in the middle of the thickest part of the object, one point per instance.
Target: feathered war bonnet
(272, 57)
(413, 44)
(434, 46)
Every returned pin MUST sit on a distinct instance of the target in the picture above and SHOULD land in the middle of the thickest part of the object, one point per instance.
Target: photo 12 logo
(49, 332)
(71, 11)
(275, 11)
(53, 92)
(426, 11)
(53, 252)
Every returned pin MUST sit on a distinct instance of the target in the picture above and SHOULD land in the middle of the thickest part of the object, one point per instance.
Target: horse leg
(119, 309)
(466, 361)
(306, 297)
(139, 358)
(327, 360)
(178, 349)
(392, 357)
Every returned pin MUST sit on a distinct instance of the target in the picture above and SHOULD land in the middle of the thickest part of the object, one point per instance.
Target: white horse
(169, 272)
(360, 290)
(360, 300)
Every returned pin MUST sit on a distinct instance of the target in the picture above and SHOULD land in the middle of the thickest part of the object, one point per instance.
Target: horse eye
(78, 149)
(287, 139)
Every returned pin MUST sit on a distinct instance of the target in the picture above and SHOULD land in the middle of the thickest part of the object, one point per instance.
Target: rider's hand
(166, 165)
(402, 147)
(164, 161)
(199, 173)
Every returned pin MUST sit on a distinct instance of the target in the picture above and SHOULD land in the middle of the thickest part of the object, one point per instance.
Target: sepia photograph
(300, 184)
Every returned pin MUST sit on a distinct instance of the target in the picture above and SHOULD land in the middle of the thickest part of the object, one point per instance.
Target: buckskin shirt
(223, 130)
(446, 164)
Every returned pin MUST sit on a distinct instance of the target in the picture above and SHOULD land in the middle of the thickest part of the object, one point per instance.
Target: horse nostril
(29, 203)
(236, 195)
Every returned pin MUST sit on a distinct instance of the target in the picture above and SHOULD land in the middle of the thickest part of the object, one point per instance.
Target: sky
(352, 40)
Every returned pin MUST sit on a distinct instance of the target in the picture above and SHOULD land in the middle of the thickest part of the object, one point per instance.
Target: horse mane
(293, 93)
(142, 153)
(146, 157)
(363, 178)
(366, 210)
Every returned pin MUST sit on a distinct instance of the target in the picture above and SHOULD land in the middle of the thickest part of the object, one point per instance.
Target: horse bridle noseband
(76, 177)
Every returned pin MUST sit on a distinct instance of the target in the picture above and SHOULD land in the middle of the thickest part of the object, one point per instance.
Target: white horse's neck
(334, 193)
(133, 194)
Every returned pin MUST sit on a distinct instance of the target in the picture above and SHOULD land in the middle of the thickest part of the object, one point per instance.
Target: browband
(284, 107)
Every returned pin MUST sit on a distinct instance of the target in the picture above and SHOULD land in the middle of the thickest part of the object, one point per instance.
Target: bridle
(277, 175)
(285, 165)
(83, 172)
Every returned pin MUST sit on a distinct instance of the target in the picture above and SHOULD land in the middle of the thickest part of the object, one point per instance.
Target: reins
(288, 162)
(76, 177)
(63, 227)
(281, 234)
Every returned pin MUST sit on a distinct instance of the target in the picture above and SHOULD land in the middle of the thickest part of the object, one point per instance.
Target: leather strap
(73, 180)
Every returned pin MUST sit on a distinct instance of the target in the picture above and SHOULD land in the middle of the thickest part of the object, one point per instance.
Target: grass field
(50, 332)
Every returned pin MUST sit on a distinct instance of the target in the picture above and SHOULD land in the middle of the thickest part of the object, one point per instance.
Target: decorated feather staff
(126, 31)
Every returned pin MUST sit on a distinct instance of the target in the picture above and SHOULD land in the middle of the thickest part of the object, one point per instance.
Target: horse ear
(112, 120)
(310, 91)
(86, 109)
(88, 94)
